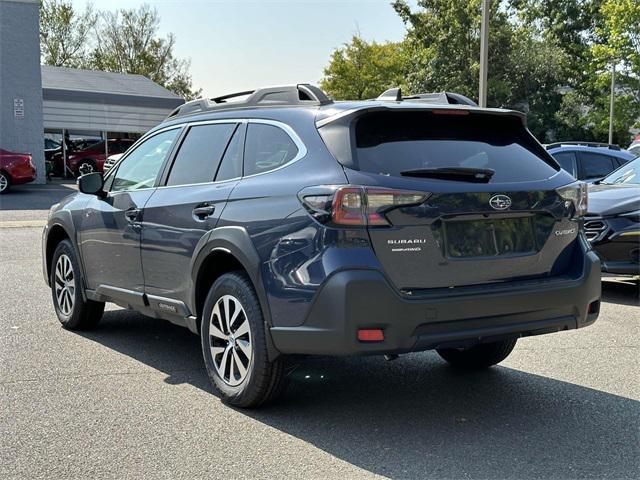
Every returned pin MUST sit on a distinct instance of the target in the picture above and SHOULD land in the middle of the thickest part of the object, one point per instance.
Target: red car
(91, 159)
(15, 168)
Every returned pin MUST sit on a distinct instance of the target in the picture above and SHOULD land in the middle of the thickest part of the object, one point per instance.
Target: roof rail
(611, 146)
(442, 98)
(287, 95)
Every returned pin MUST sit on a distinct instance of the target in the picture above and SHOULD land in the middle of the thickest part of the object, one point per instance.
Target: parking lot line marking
(22, 223)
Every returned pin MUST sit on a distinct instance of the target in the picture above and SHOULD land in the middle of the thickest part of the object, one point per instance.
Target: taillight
(577, 194)
(356, 206)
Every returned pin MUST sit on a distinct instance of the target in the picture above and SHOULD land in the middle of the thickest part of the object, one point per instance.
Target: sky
(237, 45)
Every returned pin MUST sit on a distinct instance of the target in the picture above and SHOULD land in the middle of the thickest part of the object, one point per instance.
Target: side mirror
(91, 183)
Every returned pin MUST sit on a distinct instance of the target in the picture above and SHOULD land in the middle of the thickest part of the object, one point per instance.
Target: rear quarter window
(388, 143)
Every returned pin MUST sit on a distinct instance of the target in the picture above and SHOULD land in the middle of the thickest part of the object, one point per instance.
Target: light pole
(484, 52)
(612, 100)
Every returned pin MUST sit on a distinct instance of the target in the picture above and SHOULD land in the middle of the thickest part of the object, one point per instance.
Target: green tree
(443, 39)
(361, 70)
(124, 41)
(129, 43)
(65, 33)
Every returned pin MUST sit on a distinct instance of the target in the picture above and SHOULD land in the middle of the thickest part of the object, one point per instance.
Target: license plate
(489, 238)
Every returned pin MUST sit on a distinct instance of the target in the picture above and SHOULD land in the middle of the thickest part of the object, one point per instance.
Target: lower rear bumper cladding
(363, 299)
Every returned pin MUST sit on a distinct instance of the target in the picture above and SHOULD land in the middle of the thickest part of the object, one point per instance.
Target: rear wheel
(234, 344)
(5, 183)
(479, 356)
(73, 311)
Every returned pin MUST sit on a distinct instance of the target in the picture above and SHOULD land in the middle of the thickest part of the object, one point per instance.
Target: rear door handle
(204, 211)
(132, 214)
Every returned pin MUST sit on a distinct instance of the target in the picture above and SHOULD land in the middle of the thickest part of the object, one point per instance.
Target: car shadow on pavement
(415, 417)
(623, 291)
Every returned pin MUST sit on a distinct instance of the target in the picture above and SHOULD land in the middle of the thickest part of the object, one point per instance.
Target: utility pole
(611, 101)
(484, 52)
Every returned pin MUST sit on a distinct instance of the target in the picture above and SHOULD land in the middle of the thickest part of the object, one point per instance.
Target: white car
(111, 161)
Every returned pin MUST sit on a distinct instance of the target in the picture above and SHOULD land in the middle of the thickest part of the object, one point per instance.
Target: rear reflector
(371, 335)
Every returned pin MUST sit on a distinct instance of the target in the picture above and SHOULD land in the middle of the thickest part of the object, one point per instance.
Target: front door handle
(204, 211)
(132, 214)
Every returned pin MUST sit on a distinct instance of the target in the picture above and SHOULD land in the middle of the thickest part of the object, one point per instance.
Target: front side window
(267, 147)
(200, 153)
(141, 167)
(595, 165)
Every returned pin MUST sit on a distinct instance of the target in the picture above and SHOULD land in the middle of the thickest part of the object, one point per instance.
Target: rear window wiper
(460, 174)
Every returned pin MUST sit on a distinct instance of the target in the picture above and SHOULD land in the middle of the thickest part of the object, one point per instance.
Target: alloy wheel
(4, 183)
(64, 285)
(230, 340)
(85, 168)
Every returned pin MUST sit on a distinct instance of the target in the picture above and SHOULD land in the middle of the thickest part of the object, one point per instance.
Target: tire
(86, 166)
(236, 356)
(5, 183)
(479, 356)
(73, 311)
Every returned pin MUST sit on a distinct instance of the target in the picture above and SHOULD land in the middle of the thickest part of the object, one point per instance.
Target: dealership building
(38, 101)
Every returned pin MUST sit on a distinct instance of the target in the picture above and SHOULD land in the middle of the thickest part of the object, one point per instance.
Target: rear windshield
(389, 143)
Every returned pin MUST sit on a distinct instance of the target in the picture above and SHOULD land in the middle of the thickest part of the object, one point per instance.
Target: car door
(111, 225)
(187, 206)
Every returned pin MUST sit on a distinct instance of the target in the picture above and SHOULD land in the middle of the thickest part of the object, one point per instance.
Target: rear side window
(231, 165)
(389, 143)
(267, 147)
(199, 156)
(567, 161)
(595, 165)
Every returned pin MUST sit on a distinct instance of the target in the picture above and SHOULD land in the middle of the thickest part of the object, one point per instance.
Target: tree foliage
(361, 70)
(65, 33)
(549, 59)
(124, 41)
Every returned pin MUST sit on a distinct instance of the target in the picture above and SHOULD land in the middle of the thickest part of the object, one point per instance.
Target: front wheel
(5, 183)
(479, 356)
(73, 311)
(234, 344)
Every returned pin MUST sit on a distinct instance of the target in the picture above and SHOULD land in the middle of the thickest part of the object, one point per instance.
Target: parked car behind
(91, 159)
(111, 161)
(51, 148)
(612, 224)
(290, 224)
(634, 148)
(15, 169)
(588, 161)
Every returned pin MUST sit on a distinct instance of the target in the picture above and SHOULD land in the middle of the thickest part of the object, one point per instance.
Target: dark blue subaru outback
(279, 222)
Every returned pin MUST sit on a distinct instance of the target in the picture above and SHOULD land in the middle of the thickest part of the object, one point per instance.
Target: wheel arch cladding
(57, 233)
(227, 249)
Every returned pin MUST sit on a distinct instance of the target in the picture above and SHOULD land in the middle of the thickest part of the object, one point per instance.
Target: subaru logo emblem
(500, 202)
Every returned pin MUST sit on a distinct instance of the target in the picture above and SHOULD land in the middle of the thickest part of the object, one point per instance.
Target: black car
(613, 222)
(286, 223)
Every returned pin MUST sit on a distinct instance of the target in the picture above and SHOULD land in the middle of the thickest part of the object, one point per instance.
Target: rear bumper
(355, 299)
(24, 175)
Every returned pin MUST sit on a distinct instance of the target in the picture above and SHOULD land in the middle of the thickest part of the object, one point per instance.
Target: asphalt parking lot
(132, 399)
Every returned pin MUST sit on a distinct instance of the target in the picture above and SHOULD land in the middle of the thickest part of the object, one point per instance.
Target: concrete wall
(20, 78)
(101, 116)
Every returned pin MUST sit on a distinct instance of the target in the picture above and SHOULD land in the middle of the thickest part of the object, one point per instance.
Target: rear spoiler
(377, 105)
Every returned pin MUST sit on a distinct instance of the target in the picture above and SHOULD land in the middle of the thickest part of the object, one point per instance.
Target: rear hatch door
(492, 214)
